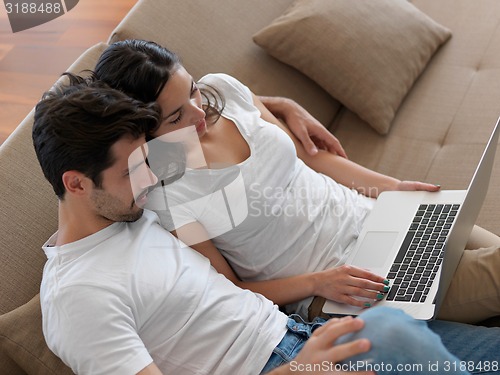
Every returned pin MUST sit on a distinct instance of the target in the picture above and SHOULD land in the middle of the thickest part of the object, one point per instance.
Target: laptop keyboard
(421, 253)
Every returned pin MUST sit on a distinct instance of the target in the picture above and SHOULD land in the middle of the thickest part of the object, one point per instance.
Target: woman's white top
(271, 215)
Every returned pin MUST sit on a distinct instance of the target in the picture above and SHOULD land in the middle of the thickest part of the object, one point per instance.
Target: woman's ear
(75, 183)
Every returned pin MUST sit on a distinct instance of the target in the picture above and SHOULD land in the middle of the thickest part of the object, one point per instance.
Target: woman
(302, 212)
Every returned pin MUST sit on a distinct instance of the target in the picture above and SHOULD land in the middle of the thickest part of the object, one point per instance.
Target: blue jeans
(403, 345)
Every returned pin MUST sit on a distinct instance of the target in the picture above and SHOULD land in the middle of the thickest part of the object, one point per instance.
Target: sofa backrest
(28, 209)
(197, 31)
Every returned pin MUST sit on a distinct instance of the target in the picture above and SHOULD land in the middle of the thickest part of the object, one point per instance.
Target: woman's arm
(344, 171)
(152, 369)
(310, 132)
(342, 284)
(364, 180)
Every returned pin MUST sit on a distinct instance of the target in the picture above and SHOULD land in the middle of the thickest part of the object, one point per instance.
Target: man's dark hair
(76, 125)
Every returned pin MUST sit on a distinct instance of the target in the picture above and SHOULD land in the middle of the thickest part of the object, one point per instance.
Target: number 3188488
(33, 8)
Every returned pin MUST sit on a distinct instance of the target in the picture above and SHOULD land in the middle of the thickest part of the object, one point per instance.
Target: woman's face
(181, 104)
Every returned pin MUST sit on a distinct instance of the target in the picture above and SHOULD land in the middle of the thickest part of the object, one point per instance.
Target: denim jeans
(403, 345)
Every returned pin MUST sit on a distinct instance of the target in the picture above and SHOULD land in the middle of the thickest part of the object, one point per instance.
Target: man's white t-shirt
(271, 216)
(128, 295)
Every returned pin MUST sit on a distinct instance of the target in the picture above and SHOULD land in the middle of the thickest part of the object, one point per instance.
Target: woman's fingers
(365, 274)
(363, 304)
(417, 185)
(352, 283)
(364, 279)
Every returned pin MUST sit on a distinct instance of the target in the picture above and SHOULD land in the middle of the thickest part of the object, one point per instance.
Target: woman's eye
(176, 120)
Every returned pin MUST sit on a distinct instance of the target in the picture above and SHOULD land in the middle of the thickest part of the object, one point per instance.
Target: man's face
(125, 184)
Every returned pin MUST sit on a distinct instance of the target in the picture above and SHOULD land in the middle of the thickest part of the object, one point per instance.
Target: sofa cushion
(443, 124)
(22, 342)
(367, 54)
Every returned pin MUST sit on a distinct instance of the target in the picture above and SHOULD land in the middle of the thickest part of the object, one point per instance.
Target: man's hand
(310, 132)
(320, 350)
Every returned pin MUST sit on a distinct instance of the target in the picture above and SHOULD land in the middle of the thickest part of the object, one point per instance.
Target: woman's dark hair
(142, 68)
(76, 125)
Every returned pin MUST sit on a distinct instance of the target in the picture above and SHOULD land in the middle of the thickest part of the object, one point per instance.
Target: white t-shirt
(128, 295)
(271, 216)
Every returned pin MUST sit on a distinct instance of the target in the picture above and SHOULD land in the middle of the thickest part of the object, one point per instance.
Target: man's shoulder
(150, 221)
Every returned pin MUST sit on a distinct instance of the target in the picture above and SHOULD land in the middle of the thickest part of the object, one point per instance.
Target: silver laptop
(416, 240)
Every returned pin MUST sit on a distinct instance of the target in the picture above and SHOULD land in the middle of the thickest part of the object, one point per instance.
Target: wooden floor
(31, 60)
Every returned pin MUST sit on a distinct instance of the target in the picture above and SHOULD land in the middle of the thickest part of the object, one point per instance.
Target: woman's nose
(145, 178)
(197, 113)
(150, 178)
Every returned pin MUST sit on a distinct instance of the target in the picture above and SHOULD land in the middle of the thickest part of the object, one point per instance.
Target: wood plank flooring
(31, 60)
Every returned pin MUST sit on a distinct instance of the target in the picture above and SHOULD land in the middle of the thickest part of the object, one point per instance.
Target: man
(121, 296)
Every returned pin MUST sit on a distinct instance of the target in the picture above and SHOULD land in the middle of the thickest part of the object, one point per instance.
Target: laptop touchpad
(375, 249)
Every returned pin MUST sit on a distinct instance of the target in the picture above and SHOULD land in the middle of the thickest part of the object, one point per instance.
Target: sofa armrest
(28, 209)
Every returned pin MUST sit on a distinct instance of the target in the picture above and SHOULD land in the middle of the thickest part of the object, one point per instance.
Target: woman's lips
(142, 199)
(201, 126)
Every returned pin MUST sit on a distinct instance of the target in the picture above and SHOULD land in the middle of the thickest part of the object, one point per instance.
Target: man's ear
(76, 183)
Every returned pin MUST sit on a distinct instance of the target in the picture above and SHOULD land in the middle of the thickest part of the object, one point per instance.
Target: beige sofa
(437, 134)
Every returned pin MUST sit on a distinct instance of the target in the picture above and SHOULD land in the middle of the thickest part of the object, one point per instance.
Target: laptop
(416, 240)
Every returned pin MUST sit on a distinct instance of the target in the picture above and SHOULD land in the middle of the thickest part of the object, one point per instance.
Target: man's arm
(310, 132)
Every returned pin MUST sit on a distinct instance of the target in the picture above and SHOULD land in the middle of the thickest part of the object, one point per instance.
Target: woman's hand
(416, 185)
(343, 284)
(320, 350)
(393, 184)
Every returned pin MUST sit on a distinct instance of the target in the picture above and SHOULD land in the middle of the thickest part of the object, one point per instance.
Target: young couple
(292, 217)
(120, 294)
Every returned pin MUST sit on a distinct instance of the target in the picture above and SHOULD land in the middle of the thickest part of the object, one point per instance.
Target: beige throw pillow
(22, 345)
(366, 53)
